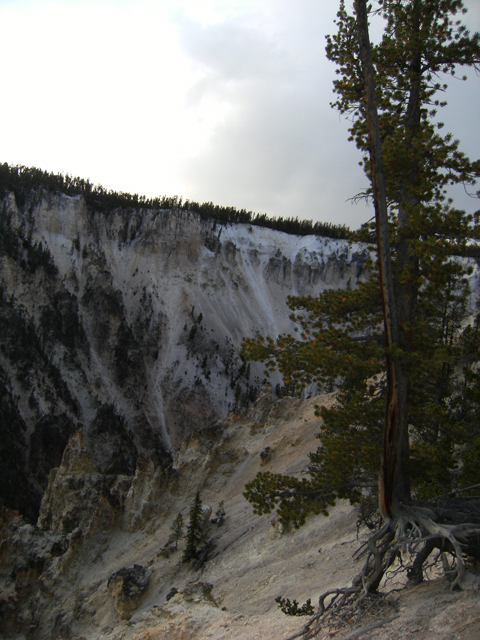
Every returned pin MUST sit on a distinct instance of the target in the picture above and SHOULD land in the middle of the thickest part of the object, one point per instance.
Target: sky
(213, 100)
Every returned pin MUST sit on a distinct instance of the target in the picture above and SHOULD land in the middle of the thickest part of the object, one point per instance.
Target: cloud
(278, 146)
(232, 51)
(220, 100)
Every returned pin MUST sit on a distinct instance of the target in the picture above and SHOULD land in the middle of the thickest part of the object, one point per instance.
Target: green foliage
(340, 345)
(465, 407)
(294, 499)
(339, 340)
(176, 530)
(470, 472)
(194, 530)
(176, 533)
(219, 514)
(292, 608)
(422, 43)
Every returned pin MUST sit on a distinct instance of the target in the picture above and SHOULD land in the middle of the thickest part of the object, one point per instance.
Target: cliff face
(119, 361)
(128, 324)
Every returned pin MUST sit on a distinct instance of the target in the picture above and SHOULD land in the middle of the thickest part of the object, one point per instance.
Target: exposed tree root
(413, 532)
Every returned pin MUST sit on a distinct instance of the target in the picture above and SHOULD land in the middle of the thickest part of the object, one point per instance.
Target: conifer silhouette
(176, 530)
(194, 530)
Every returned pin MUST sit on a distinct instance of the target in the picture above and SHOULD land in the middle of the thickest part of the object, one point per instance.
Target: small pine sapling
(176, 530)
(292, 608)
(194, 530)
(219, 515)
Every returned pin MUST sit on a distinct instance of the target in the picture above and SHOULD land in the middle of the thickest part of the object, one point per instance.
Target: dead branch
(456, 492)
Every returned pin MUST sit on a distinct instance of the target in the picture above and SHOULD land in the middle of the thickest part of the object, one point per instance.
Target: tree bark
(393, 478)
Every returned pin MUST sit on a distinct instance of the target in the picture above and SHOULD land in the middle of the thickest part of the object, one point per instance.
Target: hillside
(123, 393)
(59, 586)
(128, 322)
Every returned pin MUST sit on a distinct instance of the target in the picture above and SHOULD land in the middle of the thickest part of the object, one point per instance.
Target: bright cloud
(221, 100)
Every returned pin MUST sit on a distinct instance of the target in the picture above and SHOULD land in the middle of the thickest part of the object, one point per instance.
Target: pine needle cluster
(194, 530)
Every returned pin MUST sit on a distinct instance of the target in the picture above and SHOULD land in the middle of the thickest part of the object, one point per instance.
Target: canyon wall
(128, 324)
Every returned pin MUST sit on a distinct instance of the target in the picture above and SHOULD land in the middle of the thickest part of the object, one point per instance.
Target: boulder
(127, 587)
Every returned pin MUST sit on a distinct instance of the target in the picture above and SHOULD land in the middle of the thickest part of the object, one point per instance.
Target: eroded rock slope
(95, 567)
(128, 323)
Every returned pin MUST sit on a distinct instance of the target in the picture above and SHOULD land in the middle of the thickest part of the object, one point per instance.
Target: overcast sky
(215, 100)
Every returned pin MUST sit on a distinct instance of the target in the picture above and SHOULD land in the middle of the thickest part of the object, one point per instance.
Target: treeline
(21, 180)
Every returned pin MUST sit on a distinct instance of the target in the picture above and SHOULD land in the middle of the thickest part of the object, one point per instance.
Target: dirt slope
(233, 595)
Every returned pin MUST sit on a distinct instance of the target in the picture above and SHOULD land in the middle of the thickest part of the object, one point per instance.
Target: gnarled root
(412, 529)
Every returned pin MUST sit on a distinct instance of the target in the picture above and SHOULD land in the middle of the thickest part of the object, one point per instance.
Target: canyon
(128, 323)
(123, 393)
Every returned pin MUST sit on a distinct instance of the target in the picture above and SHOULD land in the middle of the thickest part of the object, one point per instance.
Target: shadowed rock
(127, 587)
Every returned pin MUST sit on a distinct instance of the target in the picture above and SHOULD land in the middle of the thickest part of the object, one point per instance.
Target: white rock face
(187, 290)
(133, 329)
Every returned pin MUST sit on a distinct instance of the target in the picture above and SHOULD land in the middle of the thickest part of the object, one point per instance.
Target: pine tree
(390, 344)
(194, 530)
(176, 530)
(413, 164)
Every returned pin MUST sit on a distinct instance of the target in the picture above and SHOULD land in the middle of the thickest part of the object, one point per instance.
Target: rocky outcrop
(27, 554)
(107, 579)
(127, 586)
(127, 324)
(81, 500)
(79, 497)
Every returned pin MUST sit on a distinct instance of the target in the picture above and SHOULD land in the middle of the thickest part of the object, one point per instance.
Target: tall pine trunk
(394, 477)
